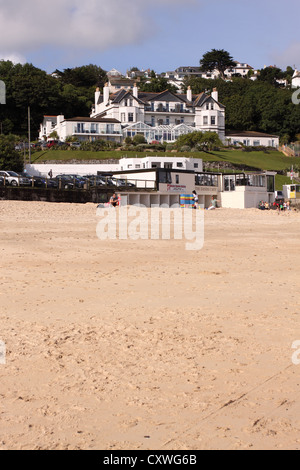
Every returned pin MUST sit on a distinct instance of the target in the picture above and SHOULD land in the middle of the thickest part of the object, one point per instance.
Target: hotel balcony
(163, 109)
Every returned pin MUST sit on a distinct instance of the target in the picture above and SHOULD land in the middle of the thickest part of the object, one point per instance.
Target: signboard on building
(176, 187)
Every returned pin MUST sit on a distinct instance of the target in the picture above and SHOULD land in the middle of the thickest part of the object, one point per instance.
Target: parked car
(14, 179)
(94, 180)
(38, 181)
(70, 181)
(80, 181)
(75, 144)
(52, 143)
(119, 182)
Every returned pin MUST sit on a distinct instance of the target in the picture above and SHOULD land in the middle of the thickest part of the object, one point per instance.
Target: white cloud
(14, 58)
(289, 56)
(95, 24)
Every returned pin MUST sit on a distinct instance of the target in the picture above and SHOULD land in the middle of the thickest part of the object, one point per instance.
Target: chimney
(215, 94)
(106, 94)
(60, 118)
(97, 96)
(135, 91)
(189, 94)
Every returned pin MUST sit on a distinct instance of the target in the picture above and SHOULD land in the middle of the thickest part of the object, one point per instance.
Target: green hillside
(272, 160)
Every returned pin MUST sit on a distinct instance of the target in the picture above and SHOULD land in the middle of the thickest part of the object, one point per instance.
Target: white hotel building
(160, 117)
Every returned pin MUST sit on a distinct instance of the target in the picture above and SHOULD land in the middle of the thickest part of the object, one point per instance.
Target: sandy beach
(141, 344)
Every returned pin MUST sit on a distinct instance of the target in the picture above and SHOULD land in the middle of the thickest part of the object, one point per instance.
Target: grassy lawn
(280, 181)
(272, 160)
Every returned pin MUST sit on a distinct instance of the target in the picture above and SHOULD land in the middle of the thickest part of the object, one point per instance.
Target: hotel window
(130, 117)
(212, 106)
(195, 165)
(167, 121)
(123, 117)
(130, 102)
(179, 164)
(207, 106)
(256, 143)
(213, 120)
(125, 102)
(205, 120)
(177, 179)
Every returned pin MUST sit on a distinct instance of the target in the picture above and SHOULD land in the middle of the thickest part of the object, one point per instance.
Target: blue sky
(155, 34)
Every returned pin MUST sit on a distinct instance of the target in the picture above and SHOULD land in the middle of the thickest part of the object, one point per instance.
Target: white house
(161, 116)
(83, 128)
(175, 163)
(296, 79)
(252, 139)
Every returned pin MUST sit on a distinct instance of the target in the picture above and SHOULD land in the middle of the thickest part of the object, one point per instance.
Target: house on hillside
(252, 139)
(83, 128)
(162, 116)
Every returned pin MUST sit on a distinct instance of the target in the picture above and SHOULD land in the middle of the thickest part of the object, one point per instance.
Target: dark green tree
(10, 159)
(85, 76)
(156, 85)
(217, 59)
(271, 75)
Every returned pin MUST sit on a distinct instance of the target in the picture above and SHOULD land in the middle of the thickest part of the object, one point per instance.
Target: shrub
(185, 148)
(138, 139)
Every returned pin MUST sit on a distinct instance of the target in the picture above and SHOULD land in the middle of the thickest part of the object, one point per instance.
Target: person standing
(196, 200)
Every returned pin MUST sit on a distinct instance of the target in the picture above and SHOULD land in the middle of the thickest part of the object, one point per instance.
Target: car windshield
(12, 173)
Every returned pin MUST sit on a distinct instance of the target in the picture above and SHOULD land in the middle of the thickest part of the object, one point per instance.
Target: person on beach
(114, 200)
(196, 200)
(50, 174)
(214, 204)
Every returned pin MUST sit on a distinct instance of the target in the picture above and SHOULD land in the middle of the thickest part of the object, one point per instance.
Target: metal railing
(75, 183)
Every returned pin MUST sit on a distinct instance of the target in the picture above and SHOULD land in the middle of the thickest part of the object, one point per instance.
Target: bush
(128, 140)
(138, 139)
(170, 147)
(185, 148)
(142, 147)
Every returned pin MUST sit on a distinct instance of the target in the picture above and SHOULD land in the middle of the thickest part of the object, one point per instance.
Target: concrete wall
(54, 195)
(69, 168)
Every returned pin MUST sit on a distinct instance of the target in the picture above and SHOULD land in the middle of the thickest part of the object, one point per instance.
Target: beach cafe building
(171, 186)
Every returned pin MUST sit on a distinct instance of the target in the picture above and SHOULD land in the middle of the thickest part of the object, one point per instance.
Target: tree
(189, 140)
(271, 75)
(85, 76)
(156, 85)
(210, 140)
(54, 135)
(10, 159)
(217, 59)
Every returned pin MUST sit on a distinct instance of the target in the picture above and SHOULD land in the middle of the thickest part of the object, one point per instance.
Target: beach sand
(141, 344)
